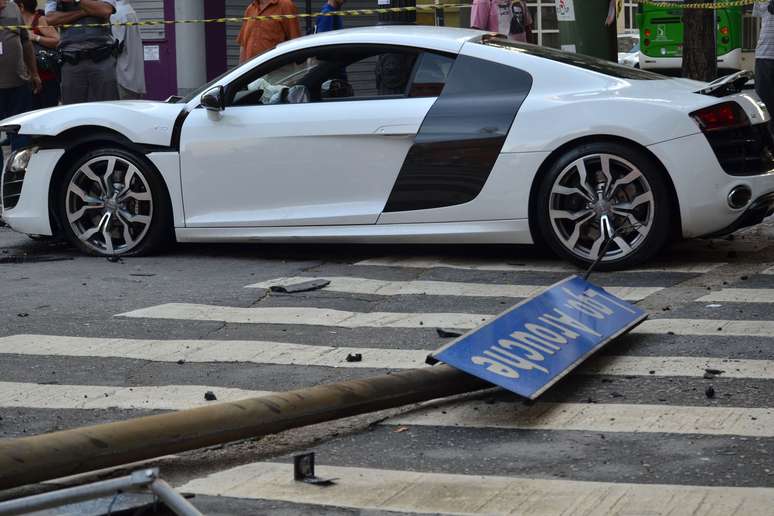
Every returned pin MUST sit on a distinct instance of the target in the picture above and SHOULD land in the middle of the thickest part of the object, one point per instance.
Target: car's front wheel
(111, 203)
(604, 198)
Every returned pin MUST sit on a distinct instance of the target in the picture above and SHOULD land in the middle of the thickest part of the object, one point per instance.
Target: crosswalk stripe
(739, 295)
(308, 316)
(444, 493)
(212, 351)
(483, 264)
(754, 422)
(770, 270)
(166, 397)
(282, 353)
(345, 319)
(442, 288)
(597, 417)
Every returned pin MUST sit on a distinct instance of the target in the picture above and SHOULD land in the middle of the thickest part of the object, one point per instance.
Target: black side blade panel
(461, 136)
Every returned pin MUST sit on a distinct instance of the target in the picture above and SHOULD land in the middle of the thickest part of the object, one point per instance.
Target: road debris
(304, 286)
(22, 314)
(448, 334)
(115, 259)
(354, 357)
(710, 392)
(210, 396)
(303, 471)
(400, 430)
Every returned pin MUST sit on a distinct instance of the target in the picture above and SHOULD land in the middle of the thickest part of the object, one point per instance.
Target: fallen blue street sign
(534, 344)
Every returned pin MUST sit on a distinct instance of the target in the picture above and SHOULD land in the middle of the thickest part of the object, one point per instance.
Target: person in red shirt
(259, 36)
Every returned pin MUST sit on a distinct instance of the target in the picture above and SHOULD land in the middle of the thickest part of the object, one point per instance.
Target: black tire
(553, 233)
(150, 237)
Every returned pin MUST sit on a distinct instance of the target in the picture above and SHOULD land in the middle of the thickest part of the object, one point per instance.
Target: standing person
(330, 22)
(130, 65)
(256, 37)
(502, 16)
(17, 68)
(45, 39)
(764, 57)
(89, 69)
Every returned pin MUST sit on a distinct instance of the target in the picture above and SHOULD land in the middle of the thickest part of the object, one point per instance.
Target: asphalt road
(85, 341)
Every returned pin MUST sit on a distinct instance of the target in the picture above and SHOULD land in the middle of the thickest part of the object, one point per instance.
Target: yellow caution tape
(274, 17)
(720, 4)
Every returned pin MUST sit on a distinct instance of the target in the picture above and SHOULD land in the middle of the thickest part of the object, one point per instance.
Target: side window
(431, 74)
(340, 73)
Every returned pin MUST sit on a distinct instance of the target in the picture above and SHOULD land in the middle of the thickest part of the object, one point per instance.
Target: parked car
(629, 50)
(402, 134)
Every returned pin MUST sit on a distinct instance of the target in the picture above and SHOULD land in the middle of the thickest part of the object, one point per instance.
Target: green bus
(661, 37)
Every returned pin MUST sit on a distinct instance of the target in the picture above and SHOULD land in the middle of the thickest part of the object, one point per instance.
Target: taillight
(724, 31)
(647, 42)
(728, 115)
(647, 33)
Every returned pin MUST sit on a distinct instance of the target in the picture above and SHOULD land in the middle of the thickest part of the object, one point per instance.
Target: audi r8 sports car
(402, 134)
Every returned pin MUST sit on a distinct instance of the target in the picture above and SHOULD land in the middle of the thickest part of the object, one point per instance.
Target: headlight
(20, 160)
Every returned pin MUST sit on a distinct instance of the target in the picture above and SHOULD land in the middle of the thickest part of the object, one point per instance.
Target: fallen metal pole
(44, 457)
(142, 479)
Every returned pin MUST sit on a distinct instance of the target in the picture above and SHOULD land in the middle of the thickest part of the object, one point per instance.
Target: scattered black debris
(670, 333)
(615, 394)
(304, 286)
(355, 357)
(744, 278)
(720, 329)
(447, 334)
(651, 372)
(709, 392)
(142, 274)
(714, 371)
(303, 471)
(22, 314)
(431, 360)
(709, 376)
(210, 396)
(590, 400)
(607, 380)
(33, 258)
(180, 362)
(665, 309)
(115, 259)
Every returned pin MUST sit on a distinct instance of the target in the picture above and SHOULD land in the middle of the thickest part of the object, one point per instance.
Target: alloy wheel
(109, 205)
(599, 197)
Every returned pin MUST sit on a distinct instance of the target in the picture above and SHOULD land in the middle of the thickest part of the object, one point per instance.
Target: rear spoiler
(727, 85)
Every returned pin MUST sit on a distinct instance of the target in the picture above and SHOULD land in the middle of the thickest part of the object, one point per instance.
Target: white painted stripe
(707, 327)
(442, 288)
(739, 295)
(282, 353)
(309, 316)
(770, 270)
(678, 366)
(345, 319)
(443, 493)
(597, 417)
(212, 351)
(755, 422)
(167, 397)
(483, 264)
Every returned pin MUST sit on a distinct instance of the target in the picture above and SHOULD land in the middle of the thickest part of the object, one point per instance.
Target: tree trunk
(699, 49)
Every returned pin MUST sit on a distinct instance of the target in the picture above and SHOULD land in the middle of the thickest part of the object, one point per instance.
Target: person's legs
(75, 83)
(102, 83)
(19, 101)
(125, 94)
(764, 85)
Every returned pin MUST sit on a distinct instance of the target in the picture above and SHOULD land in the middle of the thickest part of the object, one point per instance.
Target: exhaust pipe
(739, 197)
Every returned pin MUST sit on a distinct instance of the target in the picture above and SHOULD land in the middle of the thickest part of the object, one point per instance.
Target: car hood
(141, 121)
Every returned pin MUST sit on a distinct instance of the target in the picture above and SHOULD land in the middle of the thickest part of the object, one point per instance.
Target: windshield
(628, 44)
(578, 60)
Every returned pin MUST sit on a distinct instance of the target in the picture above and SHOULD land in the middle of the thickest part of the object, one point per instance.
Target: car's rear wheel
(112, 203)
(604, 192)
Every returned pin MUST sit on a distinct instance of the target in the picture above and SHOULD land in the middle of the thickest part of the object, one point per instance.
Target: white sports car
(402, 134)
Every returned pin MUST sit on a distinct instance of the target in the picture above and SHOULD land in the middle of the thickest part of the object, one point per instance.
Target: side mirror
(214, 99)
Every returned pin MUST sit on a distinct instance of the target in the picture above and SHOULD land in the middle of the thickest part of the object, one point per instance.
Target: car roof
(447, 39)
